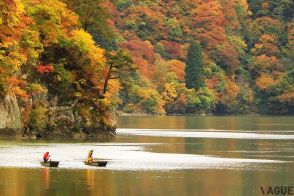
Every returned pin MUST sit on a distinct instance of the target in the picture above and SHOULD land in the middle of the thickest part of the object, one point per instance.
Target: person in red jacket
(46, 157)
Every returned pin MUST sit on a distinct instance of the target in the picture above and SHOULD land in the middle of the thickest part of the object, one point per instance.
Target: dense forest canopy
(246, 63)
(184, 56)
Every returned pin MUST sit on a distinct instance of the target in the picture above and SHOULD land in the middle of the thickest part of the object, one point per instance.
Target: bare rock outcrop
(10, 116)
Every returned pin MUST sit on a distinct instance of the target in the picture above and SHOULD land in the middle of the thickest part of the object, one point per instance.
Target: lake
(159, 155)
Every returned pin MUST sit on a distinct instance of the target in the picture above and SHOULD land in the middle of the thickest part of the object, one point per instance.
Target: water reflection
(21, 182)
(165, 164)
(46, 177)
(208, 122)
(90, 179)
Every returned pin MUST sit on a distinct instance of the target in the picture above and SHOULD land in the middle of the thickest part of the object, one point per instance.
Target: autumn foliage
(134, 55)
(42, 69)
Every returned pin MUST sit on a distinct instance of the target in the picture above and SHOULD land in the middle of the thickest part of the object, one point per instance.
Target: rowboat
(96, 163)
(50, 163)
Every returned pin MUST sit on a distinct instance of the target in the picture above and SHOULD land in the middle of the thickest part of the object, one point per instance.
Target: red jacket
(46, 156)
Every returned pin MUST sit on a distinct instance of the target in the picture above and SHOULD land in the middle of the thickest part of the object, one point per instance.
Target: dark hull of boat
(96, 163)
(50, 164)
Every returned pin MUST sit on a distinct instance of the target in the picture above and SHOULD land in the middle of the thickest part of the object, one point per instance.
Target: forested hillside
(184, 56)
(241, 61)
(62, 79)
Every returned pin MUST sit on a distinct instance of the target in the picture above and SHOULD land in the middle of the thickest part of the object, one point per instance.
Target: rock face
(10, 116)
(54, 120)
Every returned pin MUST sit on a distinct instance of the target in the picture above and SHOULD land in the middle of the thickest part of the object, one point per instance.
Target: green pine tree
(194, 67)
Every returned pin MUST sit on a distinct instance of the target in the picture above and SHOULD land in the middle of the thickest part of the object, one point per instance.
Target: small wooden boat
(98, 163)
(50, 164)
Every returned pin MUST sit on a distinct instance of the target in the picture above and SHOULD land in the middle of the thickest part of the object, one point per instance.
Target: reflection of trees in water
(208, 122)
(152, 122)
(19, 181)
(92, 182)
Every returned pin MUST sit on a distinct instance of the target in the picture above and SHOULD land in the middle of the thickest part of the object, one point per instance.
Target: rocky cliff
(43, 117)
(10, 116)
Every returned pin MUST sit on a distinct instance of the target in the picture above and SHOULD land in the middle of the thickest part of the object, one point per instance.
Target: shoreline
(80, 135)
(101, 134)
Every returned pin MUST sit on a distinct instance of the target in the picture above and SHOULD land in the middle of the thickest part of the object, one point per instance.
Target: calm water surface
(159, 156)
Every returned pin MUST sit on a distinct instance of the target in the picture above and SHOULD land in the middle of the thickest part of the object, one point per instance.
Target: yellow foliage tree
(264, 81)
(12, 55)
